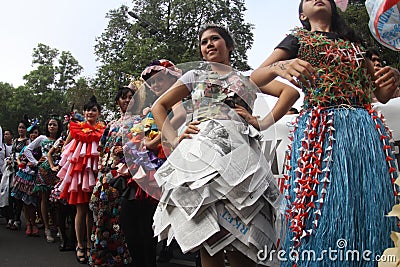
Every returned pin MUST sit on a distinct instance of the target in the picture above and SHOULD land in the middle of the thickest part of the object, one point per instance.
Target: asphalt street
(18, 250)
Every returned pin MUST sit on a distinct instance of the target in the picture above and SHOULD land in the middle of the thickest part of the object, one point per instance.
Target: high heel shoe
(28, 230)
(81, 258)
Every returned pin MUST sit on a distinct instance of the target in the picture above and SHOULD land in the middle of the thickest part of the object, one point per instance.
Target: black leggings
(136, 222)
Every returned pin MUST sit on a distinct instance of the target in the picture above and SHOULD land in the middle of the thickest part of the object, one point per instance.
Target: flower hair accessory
(33, 124)
(161, 65)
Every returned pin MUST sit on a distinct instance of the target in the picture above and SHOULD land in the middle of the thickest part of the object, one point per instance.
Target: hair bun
(93, 99)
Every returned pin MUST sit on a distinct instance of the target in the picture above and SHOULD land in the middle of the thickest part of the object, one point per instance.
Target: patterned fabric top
(46, 145)
(341, 77)
(17, 146)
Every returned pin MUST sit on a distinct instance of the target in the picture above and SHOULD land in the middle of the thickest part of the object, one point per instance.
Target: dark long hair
(337, 23)
(230, 43)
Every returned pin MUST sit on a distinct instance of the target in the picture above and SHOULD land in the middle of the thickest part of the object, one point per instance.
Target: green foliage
(15, 102)
(6, 108)
(45, 90)
(109, 50)
(356, 2)
(163, 29)
(78, 95)
(67, 70)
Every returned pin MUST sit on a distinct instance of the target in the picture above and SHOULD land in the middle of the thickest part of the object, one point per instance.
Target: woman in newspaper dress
(225, 200)
(341, 173)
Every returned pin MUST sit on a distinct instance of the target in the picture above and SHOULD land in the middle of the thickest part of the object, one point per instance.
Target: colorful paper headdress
(161, 65)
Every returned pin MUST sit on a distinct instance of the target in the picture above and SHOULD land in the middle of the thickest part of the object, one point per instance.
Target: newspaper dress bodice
(213, 87)
(218, 189)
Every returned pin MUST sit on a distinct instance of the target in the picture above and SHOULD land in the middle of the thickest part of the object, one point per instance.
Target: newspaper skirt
(218, 192)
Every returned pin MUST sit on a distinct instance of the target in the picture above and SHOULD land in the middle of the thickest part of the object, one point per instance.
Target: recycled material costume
(79, 162)
(340, 180)
(25, 178)
(218, 188)
(116, 182)
(46, 178)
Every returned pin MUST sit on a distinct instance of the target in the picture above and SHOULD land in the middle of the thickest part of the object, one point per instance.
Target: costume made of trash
(340, 170)
(218, 189)
(79, 162)
(25, 178)
(46, 178)
(115, 181)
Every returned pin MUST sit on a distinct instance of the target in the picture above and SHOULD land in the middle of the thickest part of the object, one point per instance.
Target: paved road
(18, 250)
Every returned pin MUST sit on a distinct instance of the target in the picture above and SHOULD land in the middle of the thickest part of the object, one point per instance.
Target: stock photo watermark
(338, 253)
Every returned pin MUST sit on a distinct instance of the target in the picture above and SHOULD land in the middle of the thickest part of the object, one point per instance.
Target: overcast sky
(72, 25)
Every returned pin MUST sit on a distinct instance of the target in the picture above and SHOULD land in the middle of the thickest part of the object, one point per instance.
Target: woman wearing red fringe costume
(79, 166)
(341, 173)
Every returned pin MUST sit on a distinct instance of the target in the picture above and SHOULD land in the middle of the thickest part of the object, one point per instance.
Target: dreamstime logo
(338, 253)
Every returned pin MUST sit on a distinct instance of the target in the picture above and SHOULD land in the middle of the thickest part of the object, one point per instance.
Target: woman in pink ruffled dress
(79, 166)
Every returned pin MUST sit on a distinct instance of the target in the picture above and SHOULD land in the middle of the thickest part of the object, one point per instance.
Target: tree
(6, 109)
(42, 79)
(78, 95)
(67, 71)
(53, 76)
(20, 102)
(109, 50)
(163, 29)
